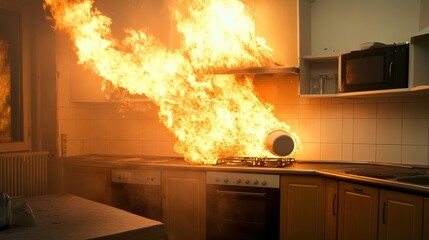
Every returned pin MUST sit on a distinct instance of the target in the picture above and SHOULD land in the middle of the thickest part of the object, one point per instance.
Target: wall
(383, 129)
(387, 129)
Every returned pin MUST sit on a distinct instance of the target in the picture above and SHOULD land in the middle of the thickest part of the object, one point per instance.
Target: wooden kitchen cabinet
(400, 216)
(93, 183)
(370, 213)
(183, 204)
(86, 85)
(302, 207)
(426, 219)
(357, 212)
(331, 209)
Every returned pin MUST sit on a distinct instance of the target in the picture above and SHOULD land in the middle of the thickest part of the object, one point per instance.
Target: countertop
(376, 174)
(67, 217)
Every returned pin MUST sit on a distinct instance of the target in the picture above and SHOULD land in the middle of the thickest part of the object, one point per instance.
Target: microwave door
(363, 71)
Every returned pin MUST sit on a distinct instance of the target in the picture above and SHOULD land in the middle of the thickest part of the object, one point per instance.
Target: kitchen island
(68, 217)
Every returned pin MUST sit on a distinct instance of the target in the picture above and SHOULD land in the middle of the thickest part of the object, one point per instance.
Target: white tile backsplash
(364, 130)
(311, 151)
(348, 130)
(415, 155)
(347, 152)
(331, 111)
(125, 129)
(348, 110)
(309, 130)
(124, 147)
(364, 152)
(381, 129)
(389, 131)
(365, 110)
(416, 110)
(287, 111)
(331, 130)
(150, 130)
(389, 110)
(309, 111)
(388, 153)
(415, 132)
(331, 151)
(151, 148)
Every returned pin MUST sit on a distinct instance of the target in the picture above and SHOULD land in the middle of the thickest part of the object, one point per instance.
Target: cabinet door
(358, 212)
(426, 218)
(400, 216)
(331, 209)
(183, 204)
(302, 207)
(93, 183)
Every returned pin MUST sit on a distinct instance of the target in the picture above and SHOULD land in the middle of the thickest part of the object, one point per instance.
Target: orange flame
(211, 115)
(5, 114)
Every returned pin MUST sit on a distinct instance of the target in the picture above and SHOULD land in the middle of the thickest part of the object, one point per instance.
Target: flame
(5, 114)
(211, 115)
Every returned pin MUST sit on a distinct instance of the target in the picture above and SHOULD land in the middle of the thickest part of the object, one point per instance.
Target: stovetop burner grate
(255, 161)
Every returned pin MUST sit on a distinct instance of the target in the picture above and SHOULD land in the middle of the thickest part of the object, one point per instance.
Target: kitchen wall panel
(373, 129)
(388, 153)
(381, 129)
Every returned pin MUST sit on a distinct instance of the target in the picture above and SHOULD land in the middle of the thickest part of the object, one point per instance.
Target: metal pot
(279, 143)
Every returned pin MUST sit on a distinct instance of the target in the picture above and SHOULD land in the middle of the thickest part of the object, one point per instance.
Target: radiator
(24, 174)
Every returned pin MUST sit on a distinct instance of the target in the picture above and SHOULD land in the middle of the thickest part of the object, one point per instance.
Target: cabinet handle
(358, 189)
(333, 205)
(390, 70)
(235, 193)
(384, 212)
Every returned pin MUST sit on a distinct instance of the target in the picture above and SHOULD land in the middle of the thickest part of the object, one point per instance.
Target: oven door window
(242, 212)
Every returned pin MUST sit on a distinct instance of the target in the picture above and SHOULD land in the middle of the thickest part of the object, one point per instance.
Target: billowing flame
(211, 115)
(5, 115)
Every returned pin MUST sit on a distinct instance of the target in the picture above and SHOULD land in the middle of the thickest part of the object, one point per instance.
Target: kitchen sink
(418, 179)
(409, 175)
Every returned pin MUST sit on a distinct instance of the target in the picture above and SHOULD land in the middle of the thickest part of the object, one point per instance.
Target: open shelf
(328, 29)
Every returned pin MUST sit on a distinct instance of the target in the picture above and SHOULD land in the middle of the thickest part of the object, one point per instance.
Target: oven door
(236, 212)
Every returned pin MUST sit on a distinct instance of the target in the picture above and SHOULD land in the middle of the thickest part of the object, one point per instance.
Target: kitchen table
(68, 217)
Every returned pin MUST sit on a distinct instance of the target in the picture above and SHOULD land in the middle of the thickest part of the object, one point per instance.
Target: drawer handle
(333, 205)
(236, 193)
(358, 189)
(384, 212)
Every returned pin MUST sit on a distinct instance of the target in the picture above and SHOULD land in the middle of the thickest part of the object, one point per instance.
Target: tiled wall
(387, 129)
(375, 129)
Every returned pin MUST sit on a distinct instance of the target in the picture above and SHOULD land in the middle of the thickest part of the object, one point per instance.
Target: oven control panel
(243, 179)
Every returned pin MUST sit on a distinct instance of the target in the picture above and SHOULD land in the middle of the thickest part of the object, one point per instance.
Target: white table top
(68, 217)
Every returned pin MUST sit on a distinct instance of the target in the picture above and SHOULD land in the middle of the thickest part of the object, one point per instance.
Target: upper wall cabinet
(276, 21)
(151, 16)
(329, 28)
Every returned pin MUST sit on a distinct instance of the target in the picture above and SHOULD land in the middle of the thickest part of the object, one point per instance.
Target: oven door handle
(251, 194)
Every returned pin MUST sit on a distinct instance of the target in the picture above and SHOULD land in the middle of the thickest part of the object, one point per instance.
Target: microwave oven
(376, 68)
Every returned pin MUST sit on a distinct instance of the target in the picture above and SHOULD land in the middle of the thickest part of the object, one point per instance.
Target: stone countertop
(369, 173)
(67, 217)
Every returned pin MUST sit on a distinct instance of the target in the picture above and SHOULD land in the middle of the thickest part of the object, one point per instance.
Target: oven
(242, 206)
(137, 191)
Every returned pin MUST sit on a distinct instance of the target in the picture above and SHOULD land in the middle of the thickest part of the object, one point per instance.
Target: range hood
(260, 72)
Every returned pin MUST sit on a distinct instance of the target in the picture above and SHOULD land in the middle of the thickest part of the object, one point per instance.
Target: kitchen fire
(206, 99)
(210, 119)
(211, 115)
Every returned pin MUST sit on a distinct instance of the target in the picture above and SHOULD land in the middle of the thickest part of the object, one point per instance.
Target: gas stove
(255, 162)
